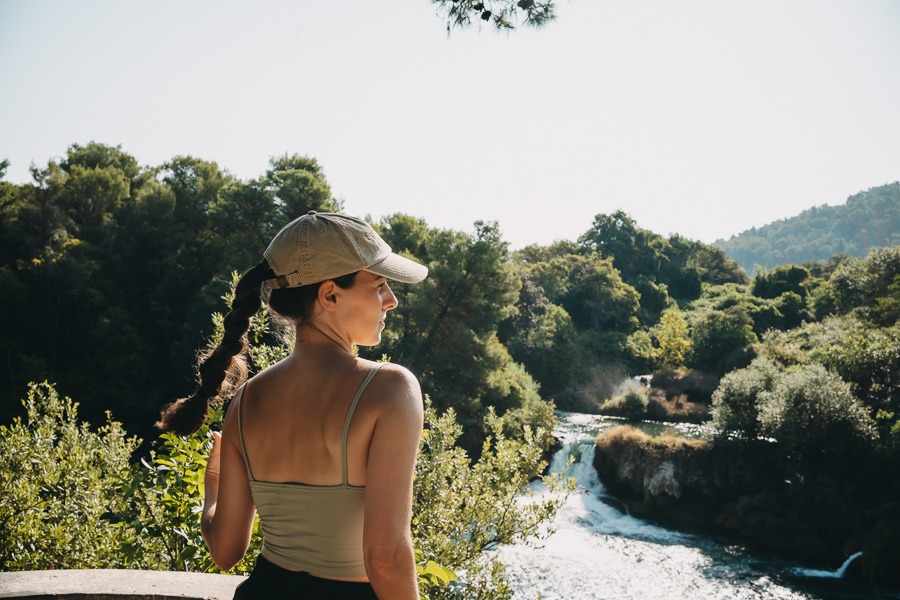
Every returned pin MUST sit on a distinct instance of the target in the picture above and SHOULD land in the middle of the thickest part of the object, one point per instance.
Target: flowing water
(597, 552)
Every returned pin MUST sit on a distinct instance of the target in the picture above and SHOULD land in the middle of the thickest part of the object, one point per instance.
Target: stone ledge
(117, 584)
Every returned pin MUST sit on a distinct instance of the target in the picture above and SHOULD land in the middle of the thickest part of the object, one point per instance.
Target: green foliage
(462, 508)
(811, 411)
(735, 403)
(868, 219)
(56, 482)
(656, 266)
(867, 358)
(672, 338)
(542, 336)
(631, 405)
(781, 279)
(446, 328)
(721, 342)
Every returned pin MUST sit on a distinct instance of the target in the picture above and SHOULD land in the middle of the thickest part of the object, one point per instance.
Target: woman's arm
(387, 542)
(228, 508)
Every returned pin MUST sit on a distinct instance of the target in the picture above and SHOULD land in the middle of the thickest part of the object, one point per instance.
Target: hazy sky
(703, 118)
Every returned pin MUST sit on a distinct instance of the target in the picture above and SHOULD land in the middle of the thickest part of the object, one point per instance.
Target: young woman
(322, 444)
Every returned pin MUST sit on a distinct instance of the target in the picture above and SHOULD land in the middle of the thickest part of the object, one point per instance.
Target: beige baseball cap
(320, 246)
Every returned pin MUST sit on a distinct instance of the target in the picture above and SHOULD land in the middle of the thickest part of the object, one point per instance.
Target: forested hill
(868, 219)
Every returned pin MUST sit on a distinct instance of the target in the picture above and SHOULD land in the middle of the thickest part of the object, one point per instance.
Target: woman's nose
(390, 300)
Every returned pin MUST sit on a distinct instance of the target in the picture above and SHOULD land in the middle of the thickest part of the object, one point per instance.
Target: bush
(57, 480)
(631, 405)
(722, 342)
(812, 412)
(735, 408)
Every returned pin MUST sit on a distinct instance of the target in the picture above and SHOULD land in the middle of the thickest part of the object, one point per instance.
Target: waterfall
(598, 552)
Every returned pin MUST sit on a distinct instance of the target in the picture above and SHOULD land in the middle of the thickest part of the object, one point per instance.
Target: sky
(698, 117)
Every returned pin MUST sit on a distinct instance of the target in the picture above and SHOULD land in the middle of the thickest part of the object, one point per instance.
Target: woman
(321, 444)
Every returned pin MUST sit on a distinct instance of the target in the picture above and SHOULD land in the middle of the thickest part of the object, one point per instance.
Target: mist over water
(597, 552)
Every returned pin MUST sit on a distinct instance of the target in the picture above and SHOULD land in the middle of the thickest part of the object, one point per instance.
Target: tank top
(314, 528)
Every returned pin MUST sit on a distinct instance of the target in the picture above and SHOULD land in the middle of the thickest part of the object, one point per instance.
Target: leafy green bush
(812, 412)
(631, 405)
(672, 339)
(164, 499)
(721, 342)
(56, 482)
(735, 403)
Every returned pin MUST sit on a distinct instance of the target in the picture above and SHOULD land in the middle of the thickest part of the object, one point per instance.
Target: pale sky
(698, 117)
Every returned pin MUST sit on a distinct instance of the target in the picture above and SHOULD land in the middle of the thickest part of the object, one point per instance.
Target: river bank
(753, 491)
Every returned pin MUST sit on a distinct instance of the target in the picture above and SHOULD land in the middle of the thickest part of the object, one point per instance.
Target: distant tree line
(867, 220)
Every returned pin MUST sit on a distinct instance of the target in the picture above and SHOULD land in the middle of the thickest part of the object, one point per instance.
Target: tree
(781, 279)
(299, 185)
(722, 342)
(502, 14)
(672, 338)
(445, 329)
(542, 336)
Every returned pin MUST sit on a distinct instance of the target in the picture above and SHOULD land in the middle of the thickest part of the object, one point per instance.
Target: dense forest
(867, 220)
(111, 270)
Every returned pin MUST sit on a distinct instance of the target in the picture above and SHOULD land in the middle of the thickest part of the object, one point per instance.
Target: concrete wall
(117, 584)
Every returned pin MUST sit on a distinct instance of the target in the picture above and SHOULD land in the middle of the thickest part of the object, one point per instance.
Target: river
(597, 552)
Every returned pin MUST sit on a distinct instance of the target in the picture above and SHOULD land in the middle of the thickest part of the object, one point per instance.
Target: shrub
(735, 408)
(56, 477)
(631, 405)
(811, 411)
(721, 342)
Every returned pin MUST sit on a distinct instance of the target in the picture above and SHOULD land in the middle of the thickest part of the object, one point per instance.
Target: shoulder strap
(356, 398)
(240, 407)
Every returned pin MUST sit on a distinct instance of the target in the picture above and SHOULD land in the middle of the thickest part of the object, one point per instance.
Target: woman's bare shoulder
(394, 383)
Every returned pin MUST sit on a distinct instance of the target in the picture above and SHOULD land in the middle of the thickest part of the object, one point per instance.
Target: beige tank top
(314, 528)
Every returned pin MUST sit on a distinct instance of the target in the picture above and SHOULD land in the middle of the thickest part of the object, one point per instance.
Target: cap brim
(399, 268)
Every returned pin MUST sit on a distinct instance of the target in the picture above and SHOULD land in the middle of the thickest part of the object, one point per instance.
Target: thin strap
(350, 417)
(240, 397)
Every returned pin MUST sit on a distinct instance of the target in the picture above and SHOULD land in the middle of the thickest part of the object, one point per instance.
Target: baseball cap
(320, 246)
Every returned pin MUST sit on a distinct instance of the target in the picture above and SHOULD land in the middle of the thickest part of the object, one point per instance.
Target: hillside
(868, 219)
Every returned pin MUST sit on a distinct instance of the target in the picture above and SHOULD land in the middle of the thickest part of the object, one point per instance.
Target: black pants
(270, 582)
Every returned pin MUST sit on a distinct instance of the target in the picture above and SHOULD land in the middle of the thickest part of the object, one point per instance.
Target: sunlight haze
(703, 118)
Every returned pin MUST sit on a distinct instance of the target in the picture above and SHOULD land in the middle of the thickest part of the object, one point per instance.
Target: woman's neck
(320, 338)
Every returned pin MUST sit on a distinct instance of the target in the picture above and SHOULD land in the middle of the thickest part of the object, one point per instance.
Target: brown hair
(223, 369)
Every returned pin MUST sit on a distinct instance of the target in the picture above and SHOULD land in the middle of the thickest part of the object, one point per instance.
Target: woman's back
(293, 417)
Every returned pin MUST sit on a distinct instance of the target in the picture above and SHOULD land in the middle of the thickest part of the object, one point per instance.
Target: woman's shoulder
(386, 370)
(392, 381)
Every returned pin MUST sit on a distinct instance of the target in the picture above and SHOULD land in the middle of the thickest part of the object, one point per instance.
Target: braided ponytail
(225, 368)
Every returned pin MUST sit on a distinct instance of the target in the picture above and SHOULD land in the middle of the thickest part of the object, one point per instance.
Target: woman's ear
(327, 295)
